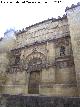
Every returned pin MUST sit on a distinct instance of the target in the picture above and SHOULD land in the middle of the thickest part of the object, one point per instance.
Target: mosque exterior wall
(44, 59)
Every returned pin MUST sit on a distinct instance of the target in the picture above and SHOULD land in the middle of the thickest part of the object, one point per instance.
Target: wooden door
(34, 80)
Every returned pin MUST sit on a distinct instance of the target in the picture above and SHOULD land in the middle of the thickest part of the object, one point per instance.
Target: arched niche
(34, 61)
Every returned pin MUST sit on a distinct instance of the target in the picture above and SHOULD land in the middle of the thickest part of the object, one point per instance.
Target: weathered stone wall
(16, 84)
(43, 31)
(54, 80)
(38, 49)
(73, 15)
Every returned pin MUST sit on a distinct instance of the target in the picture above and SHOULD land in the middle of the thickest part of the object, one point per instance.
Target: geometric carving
(64, 64)
(62, 41)
(34, 61)
(35, 64)
(34, 54)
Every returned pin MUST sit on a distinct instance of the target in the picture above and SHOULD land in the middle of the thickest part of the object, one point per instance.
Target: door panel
(34, 81)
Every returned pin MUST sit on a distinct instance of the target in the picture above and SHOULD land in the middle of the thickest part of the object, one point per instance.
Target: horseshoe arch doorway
(34, 75)
(35, 63)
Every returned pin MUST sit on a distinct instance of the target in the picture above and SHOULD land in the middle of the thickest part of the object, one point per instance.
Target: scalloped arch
(35, 54)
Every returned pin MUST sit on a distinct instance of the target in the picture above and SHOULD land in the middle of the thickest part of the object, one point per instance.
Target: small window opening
(62, 50)
(17, 60)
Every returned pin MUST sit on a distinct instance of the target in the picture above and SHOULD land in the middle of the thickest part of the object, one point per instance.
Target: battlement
(72, 6)
(52, 19)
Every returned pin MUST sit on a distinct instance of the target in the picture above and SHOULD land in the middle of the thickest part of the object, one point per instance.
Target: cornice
(39, 43)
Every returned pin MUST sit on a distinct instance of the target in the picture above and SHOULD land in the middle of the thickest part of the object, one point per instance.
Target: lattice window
(62, 50)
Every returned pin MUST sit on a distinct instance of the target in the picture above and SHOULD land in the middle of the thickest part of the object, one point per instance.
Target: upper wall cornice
(52, 19)
(72, 6)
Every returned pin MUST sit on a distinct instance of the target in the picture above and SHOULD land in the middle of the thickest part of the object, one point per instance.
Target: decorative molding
(34, 61)
(67, 35)
(62, 41)
(52, 85)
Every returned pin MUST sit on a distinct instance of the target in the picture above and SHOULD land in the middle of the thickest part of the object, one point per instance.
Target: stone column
(73, 15)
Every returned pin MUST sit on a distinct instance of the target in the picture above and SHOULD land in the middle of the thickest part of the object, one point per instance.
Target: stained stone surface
(38, 101)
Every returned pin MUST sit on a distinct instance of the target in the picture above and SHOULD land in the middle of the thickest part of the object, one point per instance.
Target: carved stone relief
(64, 64)
(63, 47)
(34, 61)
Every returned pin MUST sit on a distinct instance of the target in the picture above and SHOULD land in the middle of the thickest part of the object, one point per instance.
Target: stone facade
(73, 15)
(43, 59)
